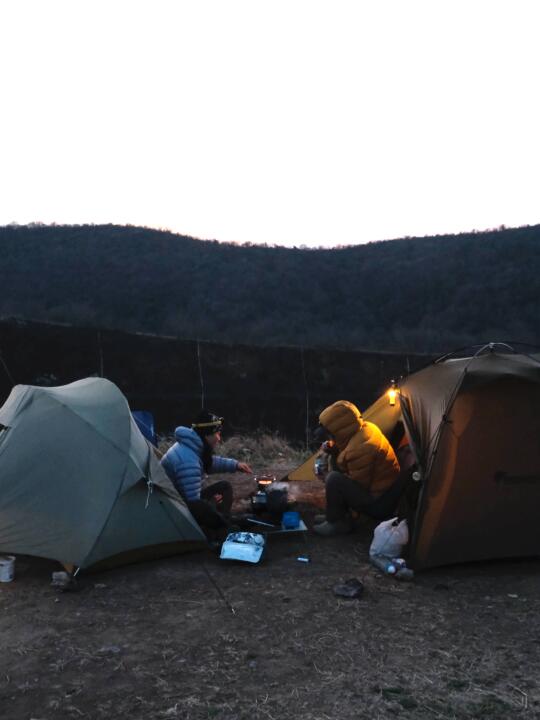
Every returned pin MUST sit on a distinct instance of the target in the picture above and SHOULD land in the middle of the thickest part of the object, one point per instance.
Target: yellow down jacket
(364, 453)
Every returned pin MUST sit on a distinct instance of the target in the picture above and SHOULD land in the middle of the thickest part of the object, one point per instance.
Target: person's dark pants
(212, 510)
(344, 494)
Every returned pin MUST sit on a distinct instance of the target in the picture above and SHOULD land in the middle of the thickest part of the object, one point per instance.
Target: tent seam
(84, 420)
(106, 522)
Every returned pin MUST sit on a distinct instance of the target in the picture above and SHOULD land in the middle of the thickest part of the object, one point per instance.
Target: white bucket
(7, 568)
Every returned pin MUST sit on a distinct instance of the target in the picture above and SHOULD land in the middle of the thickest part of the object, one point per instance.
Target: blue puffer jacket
(183, 463)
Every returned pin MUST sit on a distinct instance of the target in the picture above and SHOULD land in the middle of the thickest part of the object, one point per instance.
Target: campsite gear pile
(259, 500)
(472, 423)
(80, 484)
(271, 497)
(389, 539)
(277, 515)
(278, 520)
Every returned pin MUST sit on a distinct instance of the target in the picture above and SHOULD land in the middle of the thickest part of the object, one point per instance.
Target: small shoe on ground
(352, 588)
(340, 527)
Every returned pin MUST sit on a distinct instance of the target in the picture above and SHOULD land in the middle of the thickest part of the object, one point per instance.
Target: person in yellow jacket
(363, 469)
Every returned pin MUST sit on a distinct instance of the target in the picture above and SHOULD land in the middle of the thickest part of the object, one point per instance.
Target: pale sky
(286, 121)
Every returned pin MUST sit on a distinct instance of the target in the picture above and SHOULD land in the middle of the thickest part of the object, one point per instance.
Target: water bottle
(321, 466)
(397, 567)
(402, 571)
(399, 563)
(383, 563)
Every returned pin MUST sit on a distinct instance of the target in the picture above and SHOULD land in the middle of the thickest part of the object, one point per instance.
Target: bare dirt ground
(159, 639)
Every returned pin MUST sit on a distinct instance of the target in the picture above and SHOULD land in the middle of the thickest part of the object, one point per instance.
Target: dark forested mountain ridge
(416, 294)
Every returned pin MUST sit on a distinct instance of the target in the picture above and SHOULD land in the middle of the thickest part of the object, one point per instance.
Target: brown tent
(474, 427)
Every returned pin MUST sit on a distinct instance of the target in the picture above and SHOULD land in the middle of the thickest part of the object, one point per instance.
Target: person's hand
(245, 468)
(329, 447)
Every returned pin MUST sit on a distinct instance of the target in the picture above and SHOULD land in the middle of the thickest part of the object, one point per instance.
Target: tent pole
(220, 592)
(307, 396)
(6, 369)
(200, 372)
(100, 348)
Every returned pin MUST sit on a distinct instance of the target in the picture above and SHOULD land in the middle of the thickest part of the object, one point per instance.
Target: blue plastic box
(290, 520)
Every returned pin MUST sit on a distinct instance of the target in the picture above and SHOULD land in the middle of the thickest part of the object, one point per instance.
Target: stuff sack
(244, 546)
(389, 538)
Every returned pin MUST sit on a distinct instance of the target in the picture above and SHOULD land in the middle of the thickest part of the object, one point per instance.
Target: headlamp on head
(211, 424)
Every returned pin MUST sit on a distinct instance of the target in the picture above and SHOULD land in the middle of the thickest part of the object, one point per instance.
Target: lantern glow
(392, 393)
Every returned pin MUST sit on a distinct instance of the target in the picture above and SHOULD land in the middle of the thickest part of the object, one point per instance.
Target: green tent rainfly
(78, 481)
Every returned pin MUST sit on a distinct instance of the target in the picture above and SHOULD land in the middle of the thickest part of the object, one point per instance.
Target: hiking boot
(328, 529)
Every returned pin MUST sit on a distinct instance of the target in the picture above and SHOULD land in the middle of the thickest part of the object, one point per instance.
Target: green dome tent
(474, 426)
(78, 481)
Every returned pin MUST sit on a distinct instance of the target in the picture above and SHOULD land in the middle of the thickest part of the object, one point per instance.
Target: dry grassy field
(194, 637)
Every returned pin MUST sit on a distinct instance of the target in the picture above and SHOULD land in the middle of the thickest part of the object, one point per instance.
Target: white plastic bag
(389, 538)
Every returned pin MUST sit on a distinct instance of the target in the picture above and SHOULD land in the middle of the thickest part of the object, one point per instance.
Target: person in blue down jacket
(190, 458)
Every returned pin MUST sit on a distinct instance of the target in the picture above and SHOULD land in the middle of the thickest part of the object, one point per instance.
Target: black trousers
(344, 494)
(211, 511)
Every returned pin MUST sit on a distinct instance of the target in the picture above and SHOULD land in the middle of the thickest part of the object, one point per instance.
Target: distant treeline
(417, 294)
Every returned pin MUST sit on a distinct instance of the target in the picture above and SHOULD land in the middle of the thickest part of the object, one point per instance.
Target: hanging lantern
(392, 393)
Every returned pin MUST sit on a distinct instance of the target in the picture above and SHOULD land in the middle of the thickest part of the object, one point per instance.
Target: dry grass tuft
(263, 449)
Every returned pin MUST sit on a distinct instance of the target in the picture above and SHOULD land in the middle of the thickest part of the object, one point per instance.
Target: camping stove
(259, 500)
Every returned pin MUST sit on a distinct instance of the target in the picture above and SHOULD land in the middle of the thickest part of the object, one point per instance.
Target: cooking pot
(277, 500)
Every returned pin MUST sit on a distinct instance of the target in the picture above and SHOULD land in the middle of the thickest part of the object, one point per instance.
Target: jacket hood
(189, 437)
(343, 419)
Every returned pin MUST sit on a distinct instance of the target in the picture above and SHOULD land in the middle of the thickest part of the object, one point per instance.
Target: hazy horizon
(301, 246)
(293, 124)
